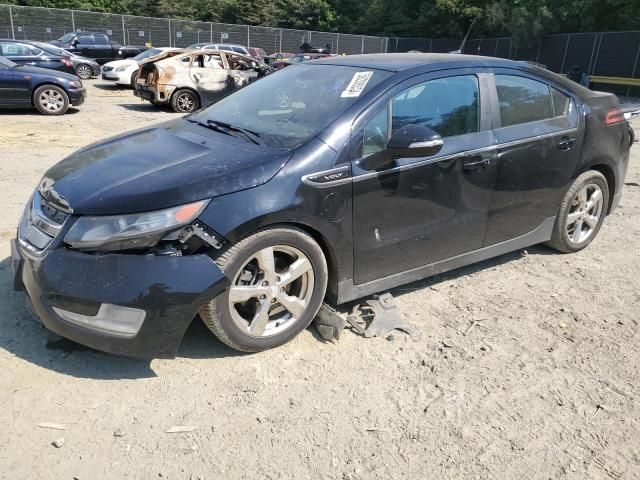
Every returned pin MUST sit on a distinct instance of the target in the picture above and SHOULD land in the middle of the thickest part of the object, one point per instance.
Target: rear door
(210, 76)
(86, 45)
(538, 135)
(102, 48)
(7, 87)
(418, 211)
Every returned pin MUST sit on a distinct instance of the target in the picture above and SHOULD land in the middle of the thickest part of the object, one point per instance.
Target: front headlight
(75, 83)
(121, 69)
(126, 232)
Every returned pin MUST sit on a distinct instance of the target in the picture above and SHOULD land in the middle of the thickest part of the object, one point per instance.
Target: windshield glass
(5, 62)
(292, 105)
(66, 38)
(147, 53)
(299, 58)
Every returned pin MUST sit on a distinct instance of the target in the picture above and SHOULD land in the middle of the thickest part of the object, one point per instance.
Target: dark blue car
(51, 92)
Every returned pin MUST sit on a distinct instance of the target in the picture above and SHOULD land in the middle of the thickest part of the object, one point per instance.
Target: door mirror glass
(416, 141)
(75, 42)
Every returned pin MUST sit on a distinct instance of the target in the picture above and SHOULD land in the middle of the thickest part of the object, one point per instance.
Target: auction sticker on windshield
(357, 84)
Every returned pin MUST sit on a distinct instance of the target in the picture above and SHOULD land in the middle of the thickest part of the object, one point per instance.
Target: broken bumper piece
(135, 305)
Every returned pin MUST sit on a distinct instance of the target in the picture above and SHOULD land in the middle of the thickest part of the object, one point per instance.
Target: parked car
(279, 57)
(186, 81)
(299, 58)
(257, 53)
(97, 46)
(125, 72)
(83, 67)
(24, 53)
(370, 171)
(227, 47)
(51, 92)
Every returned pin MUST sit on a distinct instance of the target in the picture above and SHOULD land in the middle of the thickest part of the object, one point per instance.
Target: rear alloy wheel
(185, 101)
(278, 281)
(84, 71)
(582, 212)
(51, 100)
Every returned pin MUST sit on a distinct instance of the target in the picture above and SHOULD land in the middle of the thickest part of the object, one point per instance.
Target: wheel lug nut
(264, 284)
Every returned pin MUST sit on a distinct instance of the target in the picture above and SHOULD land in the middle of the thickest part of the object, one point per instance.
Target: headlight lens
(75, 83)
(125, 232)
(121, 69)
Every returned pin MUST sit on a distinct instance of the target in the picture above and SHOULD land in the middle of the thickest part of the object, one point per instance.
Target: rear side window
(239, 50)
(11, 49)
(523, 100)
(449, 106)
(101, 39)
(85, 39)
(561, 103)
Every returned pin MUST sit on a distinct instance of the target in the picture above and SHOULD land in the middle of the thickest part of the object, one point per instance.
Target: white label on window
(357, 84)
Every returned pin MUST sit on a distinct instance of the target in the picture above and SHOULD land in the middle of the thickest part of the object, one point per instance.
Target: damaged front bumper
(135, 305)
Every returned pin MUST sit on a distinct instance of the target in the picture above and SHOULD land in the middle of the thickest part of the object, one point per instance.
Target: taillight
(67, 62)
(614, 116)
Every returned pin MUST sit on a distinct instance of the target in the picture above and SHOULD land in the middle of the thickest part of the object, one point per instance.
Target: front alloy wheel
(51, 100)
(278, 280)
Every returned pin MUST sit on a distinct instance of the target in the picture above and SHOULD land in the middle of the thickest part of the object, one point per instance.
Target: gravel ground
(544, 384)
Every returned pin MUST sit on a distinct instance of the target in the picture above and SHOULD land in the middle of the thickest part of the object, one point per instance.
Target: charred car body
(364, 173)
(187, 81)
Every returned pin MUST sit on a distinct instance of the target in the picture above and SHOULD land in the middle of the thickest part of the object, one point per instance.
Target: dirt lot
(545, 386)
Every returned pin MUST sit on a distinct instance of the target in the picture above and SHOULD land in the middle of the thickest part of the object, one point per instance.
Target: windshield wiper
(227, 128)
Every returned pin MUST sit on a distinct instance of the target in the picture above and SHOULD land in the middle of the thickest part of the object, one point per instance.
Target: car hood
(159, 167)
(22, 69)
(119, 63)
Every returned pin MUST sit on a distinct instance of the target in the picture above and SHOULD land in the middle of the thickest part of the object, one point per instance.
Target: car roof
(395, 62)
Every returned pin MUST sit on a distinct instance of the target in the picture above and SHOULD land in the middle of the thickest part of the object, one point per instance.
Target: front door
(418, 211)
(538, 136)
(7, 87)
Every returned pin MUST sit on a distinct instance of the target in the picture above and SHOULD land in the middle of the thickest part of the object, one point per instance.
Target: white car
(124, 72)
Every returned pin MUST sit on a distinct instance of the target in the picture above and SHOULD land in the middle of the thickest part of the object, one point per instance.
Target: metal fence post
(280, 49)
(13, 33)
(338, 44)
(169, 33)
(124, 32)
(73, 22)
(211, 32)
(248, 36)
(635, 65)
(564, 57)
(362, 44)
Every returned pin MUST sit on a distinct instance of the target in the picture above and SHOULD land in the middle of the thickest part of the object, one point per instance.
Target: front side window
(523, 100)
(449, 106)
(85, 39)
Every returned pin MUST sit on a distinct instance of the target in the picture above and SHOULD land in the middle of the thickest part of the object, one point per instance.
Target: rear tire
(185, 101)
(134, 78)
(278, 282)
(51, 100)
(581, 213)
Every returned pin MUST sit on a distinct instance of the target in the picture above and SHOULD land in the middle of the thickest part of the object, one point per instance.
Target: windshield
(147, 53)
(67, 38)
(292, 105)
(5, 62)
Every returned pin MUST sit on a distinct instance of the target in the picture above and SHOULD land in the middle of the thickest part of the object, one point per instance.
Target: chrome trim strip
(427, 144)
(40, 221)
(428, 161)
(307, 179)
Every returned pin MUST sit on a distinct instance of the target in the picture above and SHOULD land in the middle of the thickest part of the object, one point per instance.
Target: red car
(299, 58)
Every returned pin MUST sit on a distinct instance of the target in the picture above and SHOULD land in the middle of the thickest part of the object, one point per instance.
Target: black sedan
(25, 53)
(363, 173)
(49, 91)
(84, 67)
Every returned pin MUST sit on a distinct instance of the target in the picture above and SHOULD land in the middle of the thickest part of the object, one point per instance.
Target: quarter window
(523, 100)
(448, 106)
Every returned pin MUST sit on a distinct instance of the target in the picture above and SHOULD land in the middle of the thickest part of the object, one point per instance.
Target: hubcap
(584, 213)
(84, 72)
(51, 100)
(185, 102)
(271, 291)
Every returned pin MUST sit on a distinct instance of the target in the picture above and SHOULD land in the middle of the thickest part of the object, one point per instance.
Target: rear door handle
(477, 165)
(566, 143)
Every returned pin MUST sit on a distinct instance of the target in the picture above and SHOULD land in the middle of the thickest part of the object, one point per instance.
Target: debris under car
(188, 80)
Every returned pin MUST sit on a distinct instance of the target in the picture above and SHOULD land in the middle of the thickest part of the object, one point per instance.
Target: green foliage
(526, 20)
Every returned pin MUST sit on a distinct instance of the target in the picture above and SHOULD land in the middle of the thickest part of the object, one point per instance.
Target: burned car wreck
(188, 80)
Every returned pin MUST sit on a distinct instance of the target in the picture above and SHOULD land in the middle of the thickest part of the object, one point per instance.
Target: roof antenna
(464, 40)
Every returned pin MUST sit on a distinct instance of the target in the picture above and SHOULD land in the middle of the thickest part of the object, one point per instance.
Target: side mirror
(415, 141)
(75, 42)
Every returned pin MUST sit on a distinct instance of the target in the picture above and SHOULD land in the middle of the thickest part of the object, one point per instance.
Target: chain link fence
(45, 24)
(604, 54)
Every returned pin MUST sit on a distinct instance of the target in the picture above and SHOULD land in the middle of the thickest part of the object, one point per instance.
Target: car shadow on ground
(111, 87)
(23, 336)
(33, 111)
(143, 107)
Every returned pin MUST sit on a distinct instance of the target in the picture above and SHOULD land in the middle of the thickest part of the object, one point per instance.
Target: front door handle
(566, 143)
(476, 165)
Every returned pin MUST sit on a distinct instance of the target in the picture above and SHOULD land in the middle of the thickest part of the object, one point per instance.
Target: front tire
(84, 72)
(581, 213)
(51, 100)
(185, 101)
(278, 282)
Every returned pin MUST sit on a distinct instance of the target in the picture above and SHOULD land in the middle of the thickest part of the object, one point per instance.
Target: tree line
(525, 20)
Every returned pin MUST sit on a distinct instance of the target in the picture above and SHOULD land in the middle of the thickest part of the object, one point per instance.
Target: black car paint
(354, 216)
(18, 84)
(104, 52)
(48, 60)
